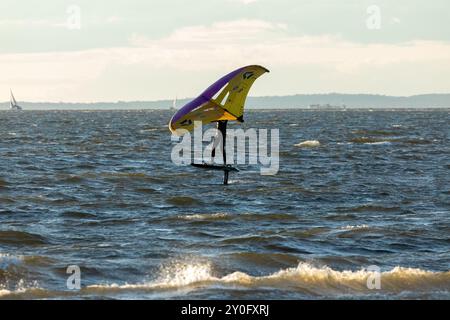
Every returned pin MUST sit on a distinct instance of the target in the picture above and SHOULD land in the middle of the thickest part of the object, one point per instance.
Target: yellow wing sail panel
(231, 90)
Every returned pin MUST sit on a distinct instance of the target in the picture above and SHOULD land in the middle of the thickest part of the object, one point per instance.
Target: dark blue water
(99, 190)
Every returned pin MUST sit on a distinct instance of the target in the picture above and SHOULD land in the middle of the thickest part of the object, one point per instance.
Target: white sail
(13, 103)
(174, 105)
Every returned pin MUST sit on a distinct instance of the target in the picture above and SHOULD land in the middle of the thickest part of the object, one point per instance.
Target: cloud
(217, 48)
(230, 32)
(247, 41)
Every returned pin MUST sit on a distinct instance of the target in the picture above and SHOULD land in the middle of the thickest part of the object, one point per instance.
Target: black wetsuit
(222, 127)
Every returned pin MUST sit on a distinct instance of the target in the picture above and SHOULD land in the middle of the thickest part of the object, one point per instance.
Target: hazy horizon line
(251, 97)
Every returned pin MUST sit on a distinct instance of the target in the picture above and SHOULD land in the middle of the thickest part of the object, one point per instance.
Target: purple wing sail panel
(211, 106)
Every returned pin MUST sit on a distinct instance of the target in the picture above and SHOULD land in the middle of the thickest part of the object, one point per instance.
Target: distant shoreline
(299, 101)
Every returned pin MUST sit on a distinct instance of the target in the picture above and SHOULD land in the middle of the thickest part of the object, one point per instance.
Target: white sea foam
(20, 288)
(357, 227)
(30, 292)
(207, 216)
(308, 144)
(148, 130)
(4, 292)
(12, 284)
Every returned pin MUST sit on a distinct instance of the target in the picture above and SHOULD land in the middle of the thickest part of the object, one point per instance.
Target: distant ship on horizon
(13, 103)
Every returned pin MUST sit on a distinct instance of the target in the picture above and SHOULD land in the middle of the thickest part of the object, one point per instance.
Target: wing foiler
(212, 106)
(223, 101)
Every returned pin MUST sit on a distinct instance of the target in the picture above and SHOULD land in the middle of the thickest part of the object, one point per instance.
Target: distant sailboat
(13, 103)
(174, 104)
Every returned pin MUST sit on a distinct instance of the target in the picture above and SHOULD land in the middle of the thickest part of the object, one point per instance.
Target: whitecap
(148, 130)
(208, 216)
(357, 227)
(308, 144)
(379, 143)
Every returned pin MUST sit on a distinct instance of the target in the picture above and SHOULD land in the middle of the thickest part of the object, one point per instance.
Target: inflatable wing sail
(228, 105)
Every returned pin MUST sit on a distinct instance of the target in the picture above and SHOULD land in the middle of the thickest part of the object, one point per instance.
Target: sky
(127, 50)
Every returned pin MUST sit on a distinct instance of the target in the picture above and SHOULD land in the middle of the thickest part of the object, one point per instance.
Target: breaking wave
(319, 281)
(315, 281)
(14, 271)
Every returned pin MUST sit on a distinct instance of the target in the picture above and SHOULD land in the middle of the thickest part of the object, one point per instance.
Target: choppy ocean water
(98, 190)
